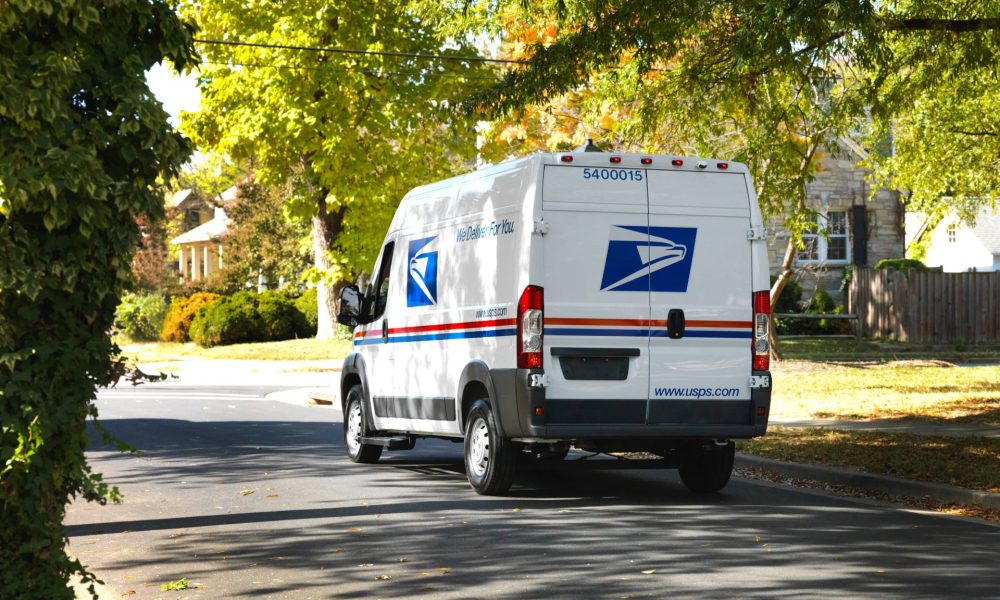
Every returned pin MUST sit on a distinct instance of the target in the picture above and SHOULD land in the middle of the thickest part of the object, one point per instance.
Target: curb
(886, 484)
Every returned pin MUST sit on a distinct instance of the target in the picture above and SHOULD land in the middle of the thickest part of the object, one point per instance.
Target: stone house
(199, 248)
(852, 226)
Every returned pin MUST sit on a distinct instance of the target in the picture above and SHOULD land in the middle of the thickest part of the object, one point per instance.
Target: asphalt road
(250, 498)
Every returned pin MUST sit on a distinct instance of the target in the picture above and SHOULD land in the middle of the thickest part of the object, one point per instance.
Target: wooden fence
(926, 307)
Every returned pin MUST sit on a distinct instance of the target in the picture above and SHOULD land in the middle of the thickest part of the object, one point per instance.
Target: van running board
(390, 443)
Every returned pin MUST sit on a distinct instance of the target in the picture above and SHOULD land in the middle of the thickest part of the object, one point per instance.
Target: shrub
(790, 298)
(140, 317)
(903, 265)
(307, 306)
(229, 320)
(182, 311)
(279, 318)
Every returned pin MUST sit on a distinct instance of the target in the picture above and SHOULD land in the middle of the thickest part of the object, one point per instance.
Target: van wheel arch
(476, 383)
(353, 373)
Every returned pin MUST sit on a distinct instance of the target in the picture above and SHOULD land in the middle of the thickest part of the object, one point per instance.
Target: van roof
(597, 159)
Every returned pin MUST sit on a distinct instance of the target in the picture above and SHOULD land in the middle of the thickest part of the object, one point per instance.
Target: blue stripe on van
(432, 337)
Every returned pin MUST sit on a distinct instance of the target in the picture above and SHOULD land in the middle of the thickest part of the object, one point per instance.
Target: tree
(261, 239)
(82, 144)
(771, 82)
(353, 127)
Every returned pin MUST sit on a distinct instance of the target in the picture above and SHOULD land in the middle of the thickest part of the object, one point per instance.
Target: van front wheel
(354, 429)
(710, 470)
(489, 458)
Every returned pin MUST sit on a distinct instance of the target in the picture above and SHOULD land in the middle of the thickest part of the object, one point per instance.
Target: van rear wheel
(710, 470)
(354, 429)
(489, 457)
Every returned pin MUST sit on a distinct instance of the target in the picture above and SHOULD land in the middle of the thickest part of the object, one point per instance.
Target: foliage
(182, 311)
(261, 239)
(790, 298)
(903, 265)
(82, 143)
(352, 133)
(248, 317)
(140, 317)
(280, 318)
(151, 267)
(306, 305)
(228, 320)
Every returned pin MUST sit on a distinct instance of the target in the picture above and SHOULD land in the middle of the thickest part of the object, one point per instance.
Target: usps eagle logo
(421, 281)
(648, 259)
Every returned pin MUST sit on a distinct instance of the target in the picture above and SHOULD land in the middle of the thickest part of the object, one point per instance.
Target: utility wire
(481, 59)
(348, 70)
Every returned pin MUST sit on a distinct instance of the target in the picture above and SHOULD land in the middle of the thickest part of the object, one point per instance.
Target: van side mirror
(349, 313)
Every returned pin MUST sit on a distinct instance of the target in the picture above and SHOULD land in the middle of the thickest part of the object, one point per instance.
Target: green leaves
(81, 141)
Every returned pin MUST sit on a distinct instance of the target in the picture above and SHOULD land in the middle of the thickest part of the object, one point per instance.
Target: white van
(612, 302)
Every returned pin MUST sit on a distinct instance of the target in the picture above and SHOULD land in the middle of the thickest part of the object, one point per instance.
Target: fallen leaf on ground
(246, 492)
(338, 549)
(403, 559)
(516, 510)
(383, 577)
(367, 565)
(354, 529)
(649, 572)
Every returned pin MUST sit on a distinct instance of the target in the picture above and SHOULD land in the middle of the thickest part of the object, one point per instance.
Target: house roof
(209, 230)
(987, 229)
(179, 197)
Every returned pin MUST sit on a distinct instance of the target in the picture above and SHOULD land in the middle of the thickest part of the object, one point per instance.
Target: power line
(481, 59)
(346, 70)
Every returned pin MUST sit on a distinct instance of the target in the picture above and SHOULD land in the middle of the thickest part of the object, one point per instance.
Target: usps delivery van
(610, 302)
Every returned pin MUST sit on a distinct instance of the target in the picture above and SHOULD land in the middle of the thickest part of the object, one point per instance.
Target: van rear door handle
(675, 324)
(385, 331)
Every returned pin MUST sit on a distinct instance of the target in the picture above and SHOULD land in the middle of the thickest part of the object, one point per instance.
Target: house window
(828, 241)
(952, 233)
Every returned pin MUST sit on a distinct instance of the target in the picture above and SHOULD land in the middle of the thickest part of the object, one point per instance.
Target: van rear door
(596, 352)
(700, 221)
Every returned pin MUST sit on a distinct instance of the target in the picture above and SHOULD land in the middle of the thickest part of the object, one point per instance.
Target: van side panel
(454, 298)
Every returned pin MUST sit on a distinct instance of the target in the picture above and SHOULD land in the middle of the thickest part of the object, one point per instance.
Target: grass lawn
(304, 349)
(923, 390)
(963, 461)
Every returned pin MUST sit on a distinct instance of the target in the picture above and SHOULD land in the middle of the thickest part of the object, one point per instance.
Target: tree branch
(975, 133)
(949, 25)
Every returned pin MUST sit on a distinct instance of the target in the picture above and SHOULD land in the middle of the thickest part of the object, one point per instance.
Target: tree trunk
(326, 227)
(784, 275)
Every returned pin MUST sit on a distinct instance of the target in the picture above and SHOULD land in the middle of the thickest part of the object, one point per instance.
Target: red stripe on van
(451, 326)
(644, 323)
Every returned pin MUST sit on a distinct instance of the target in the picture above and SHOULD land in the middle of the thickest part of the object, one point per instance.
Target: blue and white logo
(421, 281)
(648, 259)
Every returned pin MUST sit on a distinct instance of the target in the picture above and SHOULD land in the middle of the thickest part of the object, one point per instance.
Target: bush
(307, 306)
(140, 317)
(279, 317)
(903, 265)
(229, 320)
(790, 298)
(182, 311)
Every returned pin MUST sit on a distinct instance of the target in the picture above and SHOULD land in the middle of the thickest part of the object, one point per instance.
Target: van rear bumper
(661, 419)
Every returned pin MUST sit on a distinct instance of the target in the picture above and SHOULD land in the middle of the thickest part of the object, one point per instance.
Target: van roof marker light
(723, 165)
(566, 158)
(677, 162)
(616, 159)
(646, 161)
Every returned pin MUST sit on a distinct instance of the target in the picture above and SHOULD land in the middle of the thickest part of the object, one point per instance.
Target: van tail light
(761, 325)
(530, 324)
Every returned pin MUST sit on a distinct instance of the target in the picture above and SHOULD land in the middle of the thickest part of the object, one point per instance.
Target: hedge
(248, 317)
(140, 317)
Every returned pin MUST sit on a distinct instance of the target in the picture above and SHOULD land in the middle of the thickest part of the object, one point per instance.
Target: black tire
(710, 470)
(489, 457)
(354, 428)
